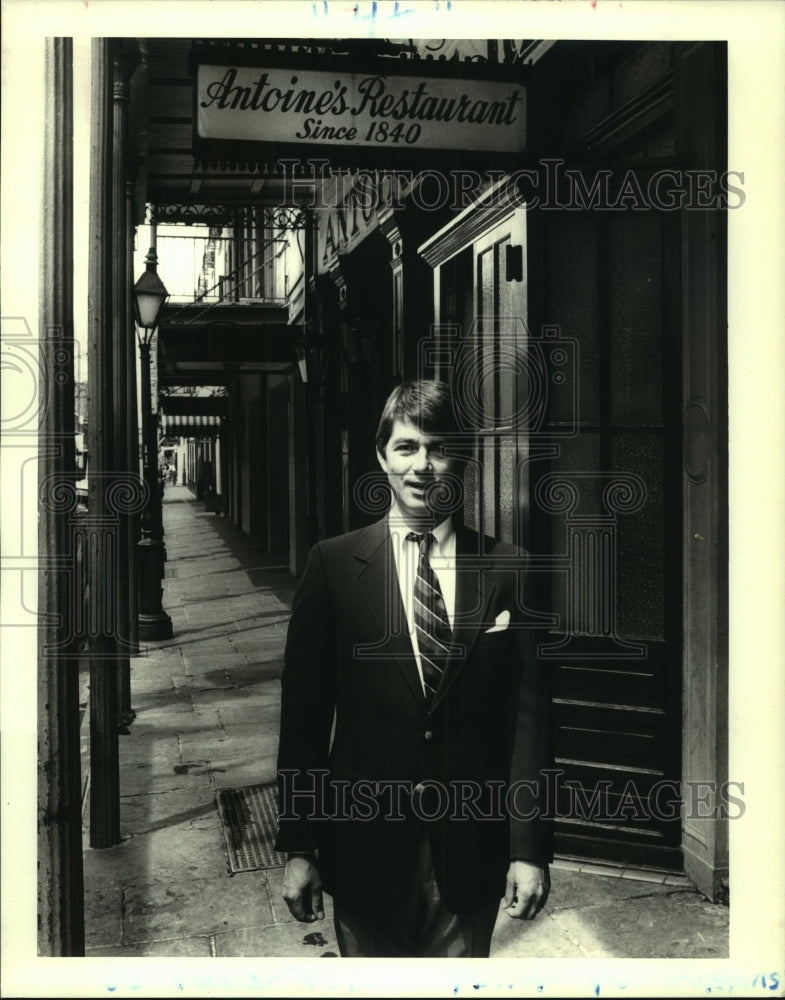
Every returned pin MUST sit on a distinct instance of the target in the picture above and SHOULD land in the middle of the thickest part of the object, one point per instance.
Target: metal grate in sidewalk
(249, 817)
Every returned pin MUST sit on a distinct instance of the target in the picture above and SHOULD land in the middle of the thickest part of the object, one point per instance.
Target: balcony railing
(212, 269)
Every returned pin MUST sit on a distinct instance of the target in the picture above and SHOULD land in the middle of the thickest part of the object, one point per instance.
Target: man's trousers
(415, 925)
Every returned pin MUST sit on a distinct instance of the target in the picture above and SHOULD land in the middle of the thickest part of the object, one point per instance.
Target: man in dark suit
(415, 720)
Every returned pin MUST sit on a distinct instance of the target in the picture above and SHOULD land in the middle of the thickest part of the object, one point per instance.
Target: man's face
(414, 461)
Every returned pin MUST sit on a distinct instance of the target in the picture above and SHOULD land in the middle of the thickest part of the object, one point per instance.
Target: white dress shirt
(441, 556)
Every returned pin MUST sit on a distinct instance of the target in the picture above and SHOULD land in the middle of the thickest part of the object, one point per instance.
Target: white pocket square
(502, 621)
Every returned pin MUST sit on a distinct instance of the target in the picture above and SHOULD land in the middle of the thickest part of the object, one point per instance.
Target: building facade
(555, 247)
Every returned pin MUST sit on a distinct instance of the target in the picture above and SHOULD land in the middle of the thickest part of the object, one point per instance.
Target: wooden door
(609, 507)
(500, 349)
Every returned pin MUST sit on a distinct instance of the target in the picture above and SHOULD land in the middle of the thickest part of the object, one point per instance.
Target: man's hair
(424, 402)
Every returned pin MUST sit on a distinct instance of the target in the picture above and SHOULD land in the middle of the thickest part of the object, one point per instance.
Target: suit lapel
(473, 594)
(377, 582)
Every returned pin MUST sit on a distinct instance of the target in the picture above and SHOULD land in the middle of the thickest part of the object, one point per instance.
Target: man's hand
(528, 886)
(302, 889)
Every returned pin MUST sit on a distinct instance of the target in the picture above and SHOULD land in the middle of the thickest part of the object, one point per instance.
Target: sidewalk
(207, 704)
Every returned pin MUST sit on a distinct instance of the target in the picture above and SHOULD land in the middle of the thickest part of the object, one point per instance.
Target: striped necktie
(430, 618)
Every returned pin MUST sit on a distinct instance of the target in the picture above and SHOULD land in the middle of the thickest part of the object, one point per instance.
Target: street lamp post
(150, 296)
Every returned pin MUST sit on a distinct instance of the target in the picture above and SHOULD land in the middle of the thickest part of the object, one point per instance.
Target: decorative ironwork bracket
(280, 217)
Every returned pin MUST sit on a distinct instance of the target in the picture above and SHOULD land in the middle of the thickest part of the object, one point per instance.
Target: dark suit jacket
(349, 659)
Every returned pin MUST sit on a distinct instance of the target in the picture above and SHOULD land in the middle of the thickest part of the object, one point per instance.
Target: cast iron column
(60, 881)
(154, 622)
(124, 60)
(156, 510)
(132, 431)
(104, 703)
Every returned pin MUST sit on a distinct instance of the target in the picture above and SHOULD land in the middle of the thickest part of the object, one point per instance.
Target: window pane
(490, 499)
(507, 486)
(485, 328)
(636, 334)
(573, 278)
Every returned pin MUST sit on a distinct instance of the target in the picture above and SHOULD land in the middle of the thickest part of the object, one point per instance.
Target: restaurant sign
(293, 107)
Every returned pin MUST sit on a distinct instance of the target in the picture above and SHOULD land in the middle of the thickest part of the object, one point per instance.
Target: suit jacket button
(429, 734)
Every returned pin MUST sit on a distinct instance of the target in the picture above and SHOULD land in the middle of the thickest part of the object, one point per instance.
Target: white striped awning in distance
(190, 425)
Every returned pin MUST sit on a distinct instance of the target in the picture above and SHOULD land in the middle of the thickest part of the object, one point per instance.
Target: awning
(189, 426)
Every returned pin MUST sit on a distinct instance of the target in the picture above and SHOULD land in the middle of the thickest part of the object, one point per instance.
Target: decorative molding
(125, 59)
(338, 278)
(388, 223)
(630, 119)
(492, 208)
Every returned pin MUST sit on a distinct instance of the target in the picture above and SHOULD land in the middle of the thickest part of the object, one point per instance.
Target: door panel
(500, 306)
(616, 659)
